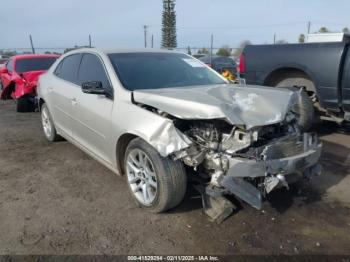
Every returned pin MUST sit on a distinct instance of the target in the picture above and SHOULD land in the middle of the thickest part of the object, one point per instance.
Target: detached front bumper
(275, 163)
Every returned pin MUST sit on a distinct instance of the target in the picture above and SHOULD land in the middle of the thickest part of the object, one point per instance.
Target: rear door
(92, 113)
(62, 92)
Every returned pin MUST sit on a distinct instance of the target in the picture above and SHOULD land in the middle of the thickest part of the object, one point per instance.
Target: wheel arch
(41, 102)
(8, 90)
(281, 73)
(121, 146)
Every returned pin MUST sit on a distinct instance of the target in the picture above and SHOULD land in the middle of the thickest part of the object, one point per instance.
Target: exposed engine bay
(248, 164)
(248, 152)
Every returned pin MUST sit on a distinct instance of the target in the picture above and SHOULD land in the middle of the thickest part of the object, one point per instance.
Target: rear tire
(169, 180)
(48, 125)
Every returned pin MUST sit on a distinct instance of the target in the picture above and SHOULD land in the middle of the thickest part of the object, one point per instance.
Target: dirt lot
(54, 199)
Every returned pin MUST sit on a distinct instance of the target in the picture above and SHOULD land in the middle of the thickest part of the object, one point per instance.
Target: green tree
(169, 24)
(323, 29)
(239, 50)
(224, 51)
(346, 30)
(189, 50)
(301, 38)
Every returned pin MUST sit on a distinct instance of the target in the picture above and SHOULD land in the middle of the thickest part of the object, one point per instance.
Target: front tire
(304, 109)
(48, 125)
(24, 105)
(156, 183)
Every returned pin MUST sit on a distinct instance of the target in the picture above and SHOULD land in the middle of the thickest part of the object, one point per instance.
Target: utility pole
(145, 34)
(90, 41)
(274, 38)
(152, 41)
(31, 44)
(211, 47)
(308, 31)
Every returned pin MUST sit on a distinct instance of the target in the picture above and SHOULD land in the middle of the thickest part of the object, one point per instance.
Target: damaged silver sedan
(163, 118)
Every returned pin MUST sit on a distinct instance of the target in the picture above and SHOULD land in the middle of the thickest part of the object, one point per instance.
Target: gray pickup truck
(323, 69)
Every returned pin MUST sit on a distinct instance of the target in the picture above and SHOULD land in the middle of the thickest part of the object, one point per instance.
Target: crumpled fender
(6, 92)
(26, 83)
(156, 130)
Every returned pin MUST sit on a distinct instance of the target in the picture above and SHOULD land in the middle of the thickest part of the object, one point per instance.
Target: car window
(10, 66)
(91, 69)
(224, 60)
(34, 64)
(68, 68)
(161, 70)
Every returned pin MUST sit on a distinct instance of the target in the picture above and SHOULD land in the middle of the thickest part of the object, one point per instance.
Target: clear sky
(119, 23)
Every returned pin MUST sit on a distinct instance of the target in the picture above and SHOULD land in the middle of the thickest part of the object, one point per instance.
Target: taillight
(242, 64)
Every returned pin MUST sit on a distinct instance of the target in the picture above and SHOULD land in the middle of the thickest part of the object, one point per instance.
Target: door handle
(74, 101)
(50, 89)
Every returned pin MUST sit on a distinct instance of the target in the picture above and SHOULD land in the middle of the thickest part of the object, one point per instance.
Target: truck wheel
(24, 104)
(155, 182)
(304, 109)
(295, 80)
(48, 125)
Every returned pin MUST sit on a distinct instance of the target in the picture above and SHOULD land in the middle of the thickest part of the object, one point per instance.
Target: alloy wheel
(141, 176)
(45, 119)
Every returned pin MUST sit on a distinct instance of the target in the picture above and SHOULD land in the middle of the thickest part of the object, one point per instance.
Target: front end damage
(241, 141)
(23, 84)
(246, 164)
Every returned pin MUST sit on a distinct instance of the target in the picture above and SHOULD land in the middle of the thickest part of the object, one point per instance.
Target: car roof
(123, 50)
(139, 50)
(29, 56)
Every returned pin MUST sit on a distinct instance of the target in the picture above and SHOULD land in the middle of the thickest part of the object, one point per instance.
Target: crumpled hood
(241, 105)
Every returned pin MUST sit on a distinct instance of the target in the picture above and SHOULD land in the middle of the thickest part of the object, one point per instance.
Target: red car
(19, 77)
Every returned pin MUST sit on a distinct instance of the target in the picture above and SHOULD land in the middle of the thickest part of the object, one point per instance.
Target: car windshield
(161, 70)
(34, 64)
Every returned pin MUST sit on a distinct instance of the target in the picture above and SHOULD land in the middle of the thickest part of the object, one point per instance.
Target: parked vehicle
(3, 59)
(162, 118)
(322, 68)
(220, 63)
(19, 76)
(199, 55)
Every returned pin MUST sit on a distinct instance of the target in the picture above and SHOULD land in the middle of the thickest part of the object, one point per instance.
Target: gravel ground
(55, 199)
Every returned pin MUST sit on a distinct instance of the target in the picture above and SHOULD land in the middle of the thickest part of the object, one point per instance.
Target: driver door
(91, 112)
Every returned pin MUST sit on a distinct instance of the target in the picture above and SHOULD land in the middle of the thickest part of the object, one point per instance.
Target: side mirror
(93, 87)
